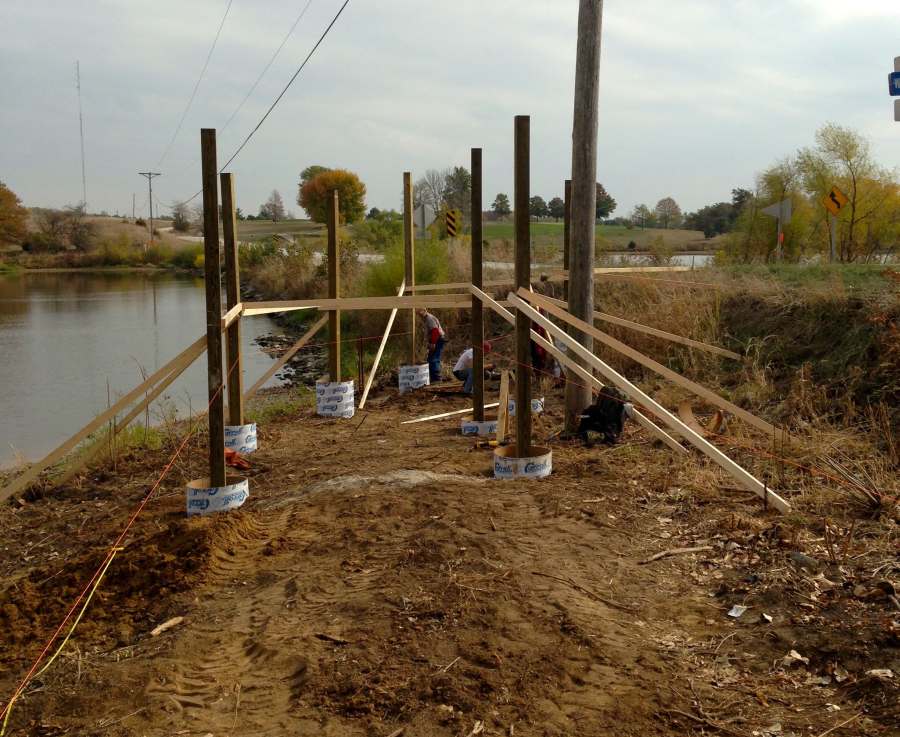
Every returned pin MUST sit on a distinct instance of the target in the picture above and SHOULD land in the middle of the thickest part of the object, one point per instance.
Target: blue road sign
(894, 83)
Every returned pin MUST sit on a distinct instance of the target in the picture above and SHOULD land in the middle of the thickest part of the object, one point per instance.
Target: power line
(287, 86)
(196, 86)
(266, 69)
(258, 79)
(278, 99)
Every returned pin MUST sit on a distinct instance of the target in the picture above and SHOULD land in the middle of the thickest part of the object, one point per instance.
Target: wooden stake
(234, 379)
(523, 279)
(384, 340)
(213, 308)
(477, 278)
(567, 235)
(503, 408)
(409, 257)
(334, 278)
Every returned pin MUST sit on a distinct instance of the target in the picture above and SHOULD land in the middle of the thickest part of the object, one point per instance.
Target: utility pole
(81, 129)
(584, 193)
(133, 198)
(150, 175)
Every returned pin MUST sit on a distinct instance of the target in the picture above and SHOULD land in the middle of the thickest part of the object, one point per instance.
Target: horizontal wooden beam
(674, 338)
(676, 378)
(745, 479)
(579, 371)
(357, 303)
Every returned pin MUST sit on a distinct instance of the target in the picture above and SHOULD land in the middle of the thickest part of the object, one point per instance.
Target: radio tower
(81, 129)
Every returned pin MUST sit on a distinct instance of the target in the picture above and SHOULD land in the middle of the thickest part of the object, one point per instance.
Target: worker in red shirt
(435, 336)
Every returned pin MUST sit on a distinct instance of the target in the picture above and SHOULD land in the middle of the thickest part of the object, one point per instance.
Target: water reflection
(64, 335)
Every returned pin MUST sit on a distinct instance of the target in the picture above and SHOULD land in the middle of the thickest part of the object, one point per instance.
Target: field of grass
(250, 230)
(609, 237)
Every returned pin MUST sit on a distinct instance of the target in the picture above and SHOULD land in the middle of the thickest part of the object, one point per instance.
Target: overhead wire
(280, 95)
(196, 85)
(260, 77)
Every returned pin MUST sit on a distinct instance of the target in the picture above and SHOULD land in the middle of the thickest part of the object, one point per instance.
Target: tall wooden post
(213, 307)
(409, 258)
(523, 279)
(334, 278)
(584, 193)
(478, 281)
(234, 373)
(567, 235)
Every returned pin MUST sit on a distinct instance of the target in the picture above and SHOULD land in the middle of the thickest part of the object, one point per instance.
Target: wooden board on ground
(444, 415)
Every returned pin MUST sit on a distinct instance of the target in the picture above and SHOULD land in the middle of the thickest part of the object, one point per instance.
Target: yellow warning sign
(835, 200)
(454, 222)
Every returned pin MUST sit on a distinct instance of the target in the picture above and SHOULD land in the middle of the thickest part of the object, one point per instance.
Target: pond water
(64, 335)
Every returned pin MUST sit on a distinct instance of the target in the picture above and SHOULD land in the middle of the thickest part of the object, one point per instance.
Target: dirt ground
(380, 582)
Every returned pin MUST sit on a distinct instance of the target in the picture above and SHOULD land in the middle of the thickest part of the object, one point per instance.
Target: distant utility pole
(584, 193)
(133, 197)
(81, 129)
(150, 175)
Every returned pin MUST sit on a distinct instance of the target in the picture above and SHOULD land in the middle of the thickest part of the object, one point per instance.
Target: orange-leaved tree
(13, 217)
(314, 194)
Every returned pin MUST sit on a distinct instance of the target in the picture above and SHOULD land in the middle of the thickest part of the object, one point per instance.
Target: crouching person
(463, 370)
(605, 417)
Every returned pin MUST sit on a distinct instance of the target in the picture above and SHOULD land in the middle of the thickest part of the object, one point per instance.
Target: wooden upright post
(234, 374)
(334, 278)
(213, 307)
(567, 235)
(409, 258)
(523, 279)
(584, 193)
(477, 280)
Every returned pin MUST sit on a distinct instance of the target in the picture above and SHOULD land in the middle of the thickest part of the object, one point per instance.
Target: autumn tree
(668, 213)
(557, 207)
(13, 217)
(501, 207)
(314, 195)
(311, 172)
(842, 157)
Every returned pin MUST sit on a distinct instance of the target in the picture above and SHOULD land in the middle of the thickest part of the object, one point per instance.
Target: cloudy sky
(696, 95)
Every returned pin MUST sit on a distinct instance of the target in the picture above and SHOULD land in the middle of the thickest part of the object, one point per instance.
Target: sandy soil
(380, 580)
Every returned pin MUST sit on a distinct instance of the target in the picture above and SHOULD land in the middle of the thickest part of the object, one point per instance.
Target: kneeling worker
(463, 368)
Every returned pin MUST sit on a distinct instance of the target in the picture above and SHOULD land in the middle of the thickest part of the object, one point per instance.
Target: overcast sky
(696, 96)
